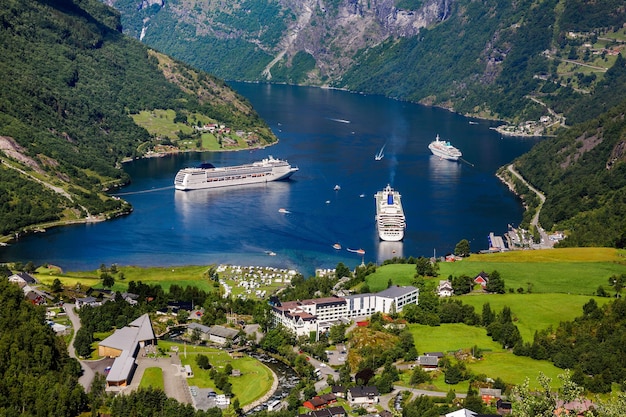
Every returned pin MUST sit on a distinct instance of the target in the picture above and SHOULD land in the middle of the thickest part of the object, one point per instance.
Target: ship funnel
(390, 199)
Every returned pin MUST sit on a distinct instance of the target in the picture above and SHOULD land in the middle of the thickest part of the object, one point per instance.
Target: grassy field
(255, 380)
(533, 312)
(567, 271)
(152, 377)
(496, 362)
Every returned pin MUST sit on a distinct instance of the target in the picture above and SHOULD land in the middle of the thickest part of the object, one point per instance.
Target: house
(315, 403)
(130, 298)
(444, 289)
(34, 297)
(363, 395)
(489, 394)
(504, 407)
(329, 398)
(437, 354)
(573, 408)
(22, 279)
(428, 362)
(463, 412)
(87, 301)
(327, 412)
(482, 279)
(338, 390)
(222, 335)
(202, 330)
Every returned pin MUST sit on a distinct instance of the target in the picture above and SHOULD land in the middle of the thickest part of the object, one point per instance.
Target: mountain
(583, 174)
(543, 66)
(516, 61)
(77, 100)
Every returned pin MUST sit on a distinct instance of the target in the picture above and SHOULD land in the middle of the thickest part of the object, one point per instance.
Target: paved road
(535, 220)
(88, 373)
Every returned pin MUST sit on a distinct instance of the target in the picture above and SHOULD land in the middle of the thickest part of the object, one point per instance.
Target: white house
(444, 289)
(363, 395)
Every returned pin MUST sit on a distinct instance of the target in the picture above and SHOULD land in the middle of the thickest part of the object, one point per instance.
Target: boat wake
(145, 191)
(339, 120)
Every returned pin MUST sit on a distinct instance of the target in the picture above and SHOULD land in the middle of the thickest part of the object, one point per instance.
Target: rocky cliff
(331, 32)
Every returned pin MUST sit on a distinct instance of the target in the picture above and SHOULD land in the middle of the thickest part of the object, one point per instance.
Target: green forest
(71, 80)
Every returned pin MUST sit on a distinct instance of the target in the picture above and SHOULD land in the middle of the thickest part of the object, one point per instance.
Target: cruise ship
(208, 176)
(444, 150)
(390, 220)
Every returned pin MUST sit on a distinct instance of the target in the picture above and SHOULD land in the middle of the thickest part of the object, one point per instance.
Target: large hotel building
(318, 314)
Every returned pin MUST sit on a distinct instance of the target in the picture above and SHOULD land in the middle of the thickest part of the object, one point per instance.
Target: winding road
(535, 220)
(88, 374)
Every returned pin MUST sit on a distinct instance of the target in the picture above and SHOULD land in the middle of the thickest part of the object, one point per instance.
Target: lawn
(567, 271)
(192, 275)
(533, 312)
(255, 380)
(496, 362)
(152, 377)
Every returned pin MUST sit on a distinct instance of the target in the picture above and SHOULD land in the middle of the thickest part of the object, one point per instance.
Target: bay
(332, 136)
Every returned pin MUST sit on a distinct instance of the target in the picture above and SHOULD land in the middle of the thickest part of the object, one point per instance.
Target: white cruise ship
(208, 176)
(390, 220)
(443, 149)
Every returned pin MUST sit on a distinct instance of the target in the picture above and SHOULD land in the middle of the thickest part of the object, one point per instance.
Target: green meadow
(567, 271)
(533, 312)
(255, 380)
(496, 362)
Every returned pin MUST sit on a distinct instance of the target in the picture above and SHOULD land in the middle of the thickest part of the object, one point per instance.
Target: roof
(145, 328)
(363, 391)
(396, 291)
(493, 392)
(463, 412)
(428, 360)
(224, 332)
(27, 278)
(126, 338)
(122, 367)
(201, 327)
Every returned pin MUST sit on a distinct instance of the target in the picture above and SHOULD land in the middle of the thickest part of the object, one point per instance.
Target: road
(535, 220)
(88, 374)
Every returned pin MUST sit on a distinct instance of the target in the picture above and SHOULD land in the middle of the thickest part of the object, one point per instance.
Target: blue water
(332, 136)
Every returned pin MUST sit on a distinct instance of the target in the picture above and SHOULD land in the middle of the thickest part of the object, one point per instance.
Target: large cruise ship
(443, 149)
(208, 176)
(390, 220)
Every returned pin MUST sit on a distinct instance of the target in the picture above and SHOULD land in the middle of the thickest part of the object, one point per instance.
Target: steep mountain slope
(511, 60)
(583, 173)
(70, 84)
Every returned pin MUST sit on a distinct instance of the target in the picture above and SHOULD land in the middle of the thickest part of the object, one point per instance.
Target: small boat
(359, 251)
(270, 253)
(337, 187)
(284, 211)
(361, 195)
(337, 246)
(380, 155)
(327, 201)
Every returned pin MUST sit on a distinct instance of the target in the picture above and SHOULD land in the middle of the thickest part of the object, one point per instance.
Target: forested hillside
(37, 377)
(516, 61)
(583, 174)
(70, 83)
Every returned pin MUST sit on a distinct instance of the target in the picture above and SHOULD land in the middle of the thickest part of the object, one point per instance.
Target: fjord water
(332, 136)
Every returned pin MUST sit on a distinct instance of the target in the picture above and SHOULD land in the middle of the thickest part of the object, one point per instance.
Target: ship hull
(390, 219)
(264, 171)
(443, 155)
